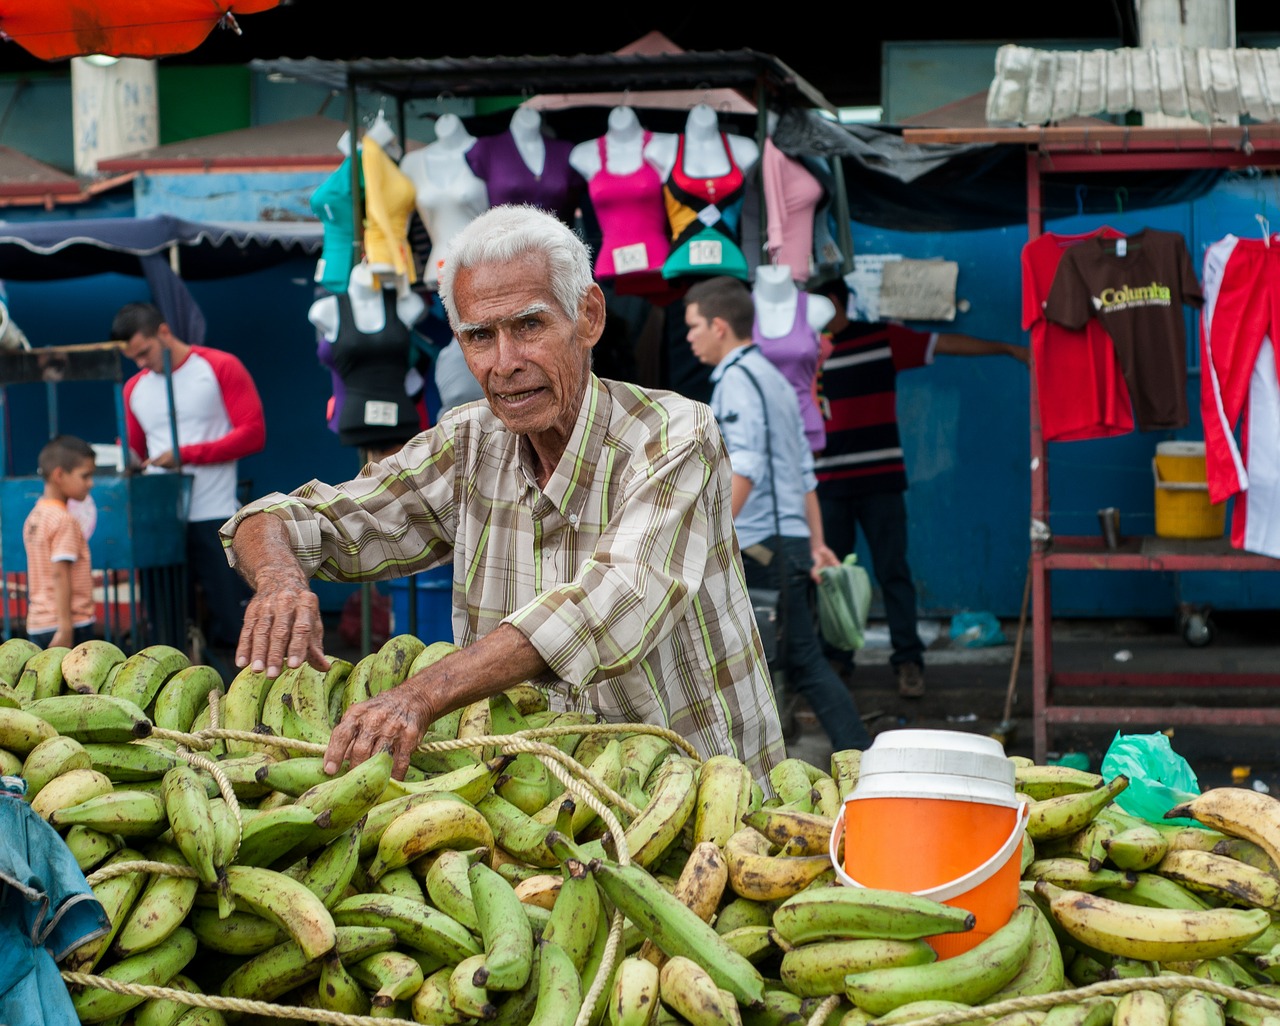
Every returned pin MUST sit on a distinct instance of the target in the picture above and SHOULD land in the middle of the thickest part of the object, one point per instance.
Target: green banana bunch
(526, 783)
(52, 758)
(1155, 891)
(688, 990)
(1098, 1012)
(42, 675)
(240, 933)
(1141, 1008)
(819, 969)
(242, 772)
(305, 701)
(286, 902)
(416, 925)
(1075, 874)
(559, 987)
(969, 977)
(86, 666)
(1042, 971)
(126, 762)
(90, 847)
(505, 929)
(449, 887)
(672, 797)
(668, 922)
(334, 868)
(1152, 934)
(805, 833)
(183, 695)
(154, 967)
(1089, 842)
(1196, 1008)
(470, 782)
(142, 675)
(116, 895)
(349, 795)
(402, 883)
(431, 1005)
(268, 837)
(14, 654)
(515, 832)
(186, 804)
(162, 1011)
(1042, 782)
(89, 718)
(468, 997)
(1063, 816)
(285, 966)
(1136, 848)
(355, 688)
(292, 776)
(754, 943)
(643, 753)
(161, 909)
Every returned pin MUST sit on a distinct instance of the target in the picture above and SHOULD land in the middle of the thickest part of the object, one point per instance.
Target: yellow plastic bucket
(1183, 509)
(934, 814)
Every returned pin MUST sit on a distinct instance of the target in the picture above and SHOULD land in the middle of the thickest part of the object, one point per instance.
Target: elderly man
(589, 523)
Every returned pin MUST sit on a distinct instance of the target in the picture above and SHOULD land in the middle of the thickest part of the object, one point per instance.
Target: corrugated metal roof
(299, 142)
(25, 181)
(1036, 87)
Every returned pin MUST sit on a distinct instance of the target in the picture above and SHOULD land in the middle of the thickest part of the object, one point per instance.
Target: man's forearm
(264, 553)
(497, 661)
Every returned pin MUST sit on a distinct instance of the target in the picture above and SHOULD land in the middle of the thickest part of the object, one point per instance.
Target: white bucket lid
(946, 764)
(1180, 449)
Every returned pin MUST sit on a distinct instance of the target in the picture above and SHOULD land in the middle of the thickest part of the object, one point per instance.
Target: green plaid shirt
(623, 573)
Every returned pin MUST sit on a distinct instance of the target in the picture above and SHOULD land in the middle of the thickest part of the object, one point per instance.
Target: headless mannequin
(449, 193)
(367, 308)
(775, 295)
(704, 153)
(623, 146)
(384, 135)
(526, 130)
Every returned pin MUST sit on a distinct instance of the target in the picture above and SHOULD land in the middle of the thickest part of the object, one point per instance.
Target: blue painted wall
(222, 196)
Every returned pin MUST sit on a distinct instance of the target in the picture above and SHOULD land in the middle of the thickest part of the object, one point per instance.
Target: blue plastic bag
(1159, 778)
(976, 630)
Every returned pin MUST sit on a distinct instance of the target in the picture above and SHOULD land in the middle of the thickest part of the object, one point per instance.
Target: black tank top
(376, 411)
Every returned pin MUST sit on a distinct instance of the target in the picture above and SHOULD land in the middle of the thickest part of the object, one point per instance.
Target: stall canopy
(71, 249)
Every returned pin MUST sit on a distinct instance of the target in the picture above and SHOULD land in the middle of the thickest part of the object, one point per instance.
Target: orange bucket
(934, 814)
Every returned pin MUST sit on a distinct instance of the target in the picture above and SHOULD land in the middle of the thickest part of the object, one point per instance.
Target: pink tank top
(632, 216)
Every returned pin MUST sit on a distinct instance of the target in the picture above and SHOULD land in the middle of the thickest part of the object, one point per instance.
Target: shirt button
(573, 519)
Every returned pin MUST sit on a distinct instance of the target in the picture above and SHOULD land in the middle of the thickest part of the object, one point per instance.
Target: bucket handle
(958, 886)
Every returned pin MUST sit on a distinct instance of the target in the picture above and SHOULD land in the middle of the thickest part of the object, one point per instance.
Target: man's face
(147, 351)
(704, 336)
(75, 483)
(532, 361)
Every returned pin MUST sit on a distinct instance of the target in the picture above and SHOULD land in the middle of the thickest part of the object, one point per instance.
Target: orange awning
(55, 30)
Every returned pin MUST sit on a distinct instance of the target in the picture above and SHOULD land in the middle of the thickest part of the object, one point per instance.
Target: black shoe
(911, 680)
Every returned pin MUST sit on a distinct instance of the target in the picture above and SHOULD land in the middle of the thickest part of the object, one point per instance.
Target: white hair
(508, 232)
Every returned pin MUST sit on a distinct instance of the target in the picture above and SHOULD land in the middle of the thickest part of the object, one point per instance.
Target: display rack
(1053, 151)
(138, 548)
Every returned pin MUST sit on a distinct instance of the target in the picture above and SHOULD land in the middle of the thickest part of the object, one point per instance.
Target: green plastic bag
(1159, 778)
(844, 597)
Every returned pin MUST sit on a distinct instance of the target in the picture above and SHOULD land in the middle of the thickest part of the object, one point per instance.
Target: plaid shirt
(624, 572)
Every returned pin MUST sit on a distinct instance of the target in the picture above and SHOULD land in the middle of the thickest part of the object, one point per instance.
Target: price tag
(703, 252)
(630, 258)
(381, 414)
(1122, 247)
(320, 269)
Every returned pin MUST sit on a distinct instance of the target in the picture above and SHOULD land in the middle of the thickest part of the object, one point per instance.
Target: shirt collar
(570, 482)
(730, 360)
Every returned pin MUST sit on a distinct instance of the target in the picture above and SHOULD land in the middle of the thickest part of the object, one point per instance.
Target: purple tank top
(632, 216)
(496, 160)
(795, 354)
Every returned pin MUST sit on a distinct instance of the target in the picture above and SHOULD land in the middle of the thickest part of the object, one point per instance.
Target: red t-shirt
(1078, 378)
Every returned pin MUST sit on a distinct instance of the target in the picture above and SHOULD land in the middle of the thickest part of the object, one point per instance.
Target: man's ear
(164, 334)
(591, 314)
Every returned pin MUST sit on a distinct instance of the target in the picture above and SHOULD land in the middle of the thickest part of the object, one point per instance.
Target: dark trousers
(883, 519)
(225, 593)
(79, 636)
(806, 669)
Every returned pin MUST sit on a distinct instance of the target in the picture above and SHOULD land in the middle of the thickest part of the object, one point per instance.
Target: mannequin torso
(625, 148)
(368, 310)
(449, 195)
(775, 296)
(521, 165)
(526, 130)
(704, 149)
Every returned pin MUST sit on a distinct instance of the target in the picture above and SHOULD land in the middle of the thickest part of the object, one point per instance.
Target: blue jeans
(806, 668)
(79, 635)
(883, 518)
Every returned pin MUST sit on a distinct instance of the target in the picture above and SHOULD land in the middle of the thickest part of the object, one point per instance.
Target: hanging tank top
(704, 215)
(375, 409)
(632, 219)
(446, 206)
(388, 202)
(331, 203)
(496, 159)
(795, 354)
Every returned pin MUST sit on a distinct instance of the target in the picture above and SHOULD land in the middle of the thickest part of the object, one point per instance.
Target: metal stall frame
(767, 79)
(1121, 149)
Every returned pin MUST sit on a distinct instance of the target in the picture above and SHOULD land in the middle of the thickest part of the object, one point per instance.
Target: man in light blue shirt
(775, 500)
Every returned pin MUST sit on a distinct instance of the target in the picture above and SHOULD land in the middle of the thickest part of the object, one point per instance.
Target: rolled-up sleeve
(637, 584)
(395, 519)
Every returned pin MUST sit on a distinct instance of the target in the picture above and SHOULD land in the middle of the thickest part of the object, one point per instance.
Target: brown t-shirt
(1138, 298)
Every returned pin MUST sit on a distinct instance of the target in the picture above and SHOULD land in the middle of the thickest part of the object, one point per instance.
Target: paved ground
(966, 689)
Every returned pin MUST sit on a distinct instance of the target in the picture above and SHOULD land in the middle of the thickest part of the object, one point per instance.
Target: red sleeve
(910, 348)
(248, 432)
(137, 437)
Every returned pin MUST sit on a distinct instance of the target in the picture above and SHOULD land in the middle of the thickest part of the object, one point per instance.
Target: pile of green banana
(478, 890)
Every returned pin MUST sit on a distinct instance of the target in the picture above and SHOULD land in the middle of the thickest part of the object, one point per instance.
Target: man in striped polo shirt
(861, 472)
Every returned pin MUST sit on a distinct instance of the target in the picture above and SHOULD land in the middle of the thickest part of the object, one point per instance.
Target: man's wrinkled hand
(282, 626)
(393, 721)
